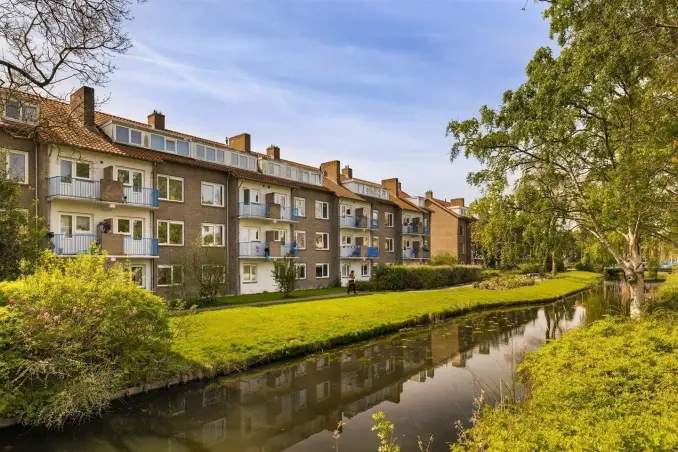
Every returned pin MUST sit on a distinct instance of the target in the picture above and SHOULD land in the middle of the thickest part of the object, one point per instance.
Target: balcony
(416, 253)
(263, 250)
(416, 229)
(113, 244)
(103, 191)
(273, 212)
(359, 252)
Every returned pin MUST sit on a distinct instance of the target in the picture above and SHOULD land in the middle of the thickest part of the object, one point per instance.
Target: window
(322, 271)
(17, 166)
(250, 234)
(137, 274)
(301, 271)
(212, 234)
(375, 216)
(170, 232)
(160, 143)
(212, 194)
(21, 111)
(69, 167)
(127, 135)
(279, 235)
(183, 148)
(388, 244)
(389, 220)
(214, 273)
(345, 270)
(250, 196)
(170, 188)
(322, 210)
(365, 270)
(346, 240)
(131, 178)
(170, 275)
(345, 210)
(300, 239)
(157, 142)
(461, 230)
(132, 227)
(322, 390)
(82, 223)
(406, 244)
(279, 199)
(249, 273)
(300, 205)
(375, 242)
(461, 247)
(299, 399)
(322, 241)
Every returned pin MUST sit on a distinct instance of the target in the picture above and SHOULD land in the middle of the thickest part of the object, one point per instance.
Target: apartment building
(174, 207)
(450, 227)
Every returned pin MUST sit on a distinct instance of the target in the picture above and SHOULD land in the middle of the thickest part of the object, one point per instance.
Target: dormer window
(17, 111)
(127, 135)
(160, 143)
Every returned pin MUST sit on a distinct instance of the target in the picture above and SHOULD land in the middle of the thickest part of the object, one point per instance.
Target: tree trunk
(554, 267)
(634, 271)
(637, 296)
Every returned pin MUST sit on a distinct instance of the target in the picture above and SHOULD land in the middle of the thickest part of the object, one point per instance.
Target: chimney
(156, 120)
(347, 172)
(273, 152)
(241, 142)
(429, 194)
(457, 202)
(331, 170)
(392, 185)
(82, 106)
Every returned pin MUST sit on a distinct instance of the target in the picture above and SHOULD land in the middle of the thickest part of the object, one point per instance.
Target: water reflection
(424, 379)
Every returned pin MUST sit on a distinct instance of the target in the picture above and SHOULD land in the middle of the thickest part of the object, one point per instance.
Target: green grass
(277, 296)
(232, 339)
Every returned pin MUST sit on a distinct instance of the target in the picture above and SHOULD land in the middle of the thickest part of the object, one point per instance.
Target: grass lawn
(232, 339)
(276, 296)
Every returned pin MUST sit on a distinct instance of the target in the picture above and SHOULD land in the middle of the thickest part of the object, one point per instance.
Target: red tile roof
(341, 191)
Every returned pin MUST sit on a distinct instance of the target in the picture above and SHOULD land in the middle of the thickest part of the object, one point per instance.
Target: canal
(424, 379)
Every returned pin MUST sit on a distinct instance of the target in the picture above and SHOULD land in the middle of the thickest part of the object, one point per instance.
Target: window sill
(209, 205)
(249, 282)
(322, 277)
(171, 200)
(214, 246)
(169, 244)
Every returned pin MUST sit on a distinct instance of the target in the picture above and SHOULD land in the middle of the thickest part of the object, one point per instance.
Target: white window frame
(250, 273)
(375, 242)
(252, 191)
(142, 272)
(323, 265)
(326, 209)
(129, 135)
(215, 226)
(183, 232)
(346, 210)
(280, 198)
(251, 229)
(301, 211)
(172, 267)
(131, 226)
(364, 270)
(388, 216)
(279, 235)
(347, 267)
(297, 241)
(74, 174)
(183, 187)
(8, 173)
(346, 240)
(389, 246)
(21, 118)
(297, 267)
(213, 186)
(74, 223)
(324, 234)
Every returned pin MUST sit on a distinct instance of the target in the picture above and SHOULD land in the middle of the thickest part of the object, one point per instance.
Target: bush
(489, 273)
(285, 277)
(418, 277)
(504, 283)
(365, 286)
(531, 267)
(75, 333)
(444, 258)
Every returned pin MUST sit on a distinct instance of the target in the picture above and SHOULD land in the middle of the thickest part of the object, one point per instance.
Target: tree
(285, 276)
(596, 124)
(204, 270)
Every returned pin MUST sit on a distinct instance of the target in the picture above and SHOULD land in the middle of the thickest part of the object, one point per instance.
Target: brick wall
(384, 232)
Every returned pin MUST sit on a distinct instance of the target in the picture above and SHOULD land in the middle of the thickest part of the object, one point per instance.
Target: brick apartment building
(175, 206)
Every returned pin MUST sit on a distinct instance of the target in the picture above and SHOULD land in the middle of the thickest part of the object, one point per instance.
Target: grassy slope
(609, 387)
(275, 296)
(226, 340)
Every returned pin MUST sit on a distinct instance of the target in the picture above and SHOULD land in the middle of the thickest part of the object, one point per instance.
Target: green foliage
(610, 386)
(444, 258)
(385, 430)
(73, 334)
(489, 273)
(504, 282)
(365, 286)
(417, 277)
(285, 277)
(531, 267)
(653, 267)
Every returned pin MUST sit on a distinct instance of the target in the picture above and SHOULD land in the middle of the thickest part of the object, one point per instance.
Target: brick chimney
(393, 185)
(156, 120)
(429, 194)
(82, 106)
(242, 142)
(457, 202)
(331, 170)
(347, 172)
(273, 152)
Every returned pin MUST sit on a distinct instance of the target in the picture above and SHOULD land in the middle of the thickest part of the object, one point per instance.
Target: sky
(372, 83)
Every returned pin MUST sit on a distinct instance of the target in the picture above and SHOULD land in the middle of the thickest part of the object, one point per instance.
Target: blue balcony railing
(146, 246)
(70, 245)
(374, 224)
(141, 196)
(74, 188)
(257, 210)
(373, 252)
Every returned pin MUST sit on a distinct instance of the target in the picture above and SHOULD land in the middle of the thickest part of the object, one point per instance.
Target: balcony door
(133, 182)
(133, 230)
(76, 179)
(75, 234)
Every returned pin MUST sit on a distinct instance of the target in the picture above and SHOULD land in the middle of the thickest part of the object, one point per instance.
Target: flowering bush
(504, 282)
(73, 334)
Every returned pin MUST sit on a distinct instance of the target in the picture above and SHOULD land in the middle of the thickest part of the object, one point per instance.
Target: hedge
(420, 277)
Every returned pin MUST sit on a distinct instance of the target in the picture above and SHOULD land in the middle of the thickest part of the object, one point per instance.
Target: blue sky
(371, 83)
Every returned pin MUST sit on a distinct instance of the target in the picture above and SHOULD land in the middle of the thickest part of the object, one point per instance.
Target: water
(424, 379)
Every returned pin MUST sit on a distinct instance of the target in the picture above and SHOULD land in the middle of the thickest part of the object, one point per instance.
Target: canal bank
(424, 379)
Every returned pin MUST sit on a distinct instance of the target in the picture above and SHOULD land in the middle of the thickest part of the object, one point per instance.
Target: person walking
(351, 283)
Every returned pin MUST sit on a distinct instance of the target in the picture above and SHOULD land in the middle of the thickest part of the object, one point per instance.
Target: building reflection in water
(275, 408)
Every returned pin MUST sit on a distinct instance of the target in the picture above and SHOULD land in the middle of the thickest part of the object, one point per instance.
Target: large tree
(596, 123)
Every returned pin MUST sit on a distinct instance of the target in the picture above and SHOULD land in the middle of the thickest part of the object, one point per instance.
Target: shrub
(504, 283)
(285, 277)
(444, 258)
(489, 273)
(653, 267)
(417, 277)
(74, 333)
(365, 286)
(531, 267)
